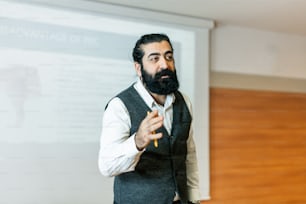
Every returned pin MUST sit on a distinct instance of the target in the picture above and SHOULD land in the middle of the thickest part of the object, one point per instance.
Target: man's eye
(169, 57)
(154, 59)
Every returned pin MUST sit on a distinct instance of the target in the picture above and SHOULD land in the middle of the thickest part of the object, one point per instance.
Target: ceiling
(287, 16)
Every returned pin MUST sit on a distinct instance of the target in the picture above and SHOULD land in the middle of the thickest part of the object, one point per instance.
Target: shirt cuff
(194, 194)
(133, 147)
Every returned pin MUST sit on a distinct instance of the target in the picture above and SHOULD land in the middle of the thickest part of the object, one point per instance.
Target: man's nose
(164, 63)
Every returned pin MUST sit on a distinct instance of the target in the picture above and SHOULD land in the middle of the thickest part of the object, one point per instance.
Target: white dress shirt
(118, 152)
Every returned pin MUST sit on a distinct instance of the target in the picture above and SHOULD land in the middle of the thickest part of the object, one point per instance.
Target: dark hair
(138, 53)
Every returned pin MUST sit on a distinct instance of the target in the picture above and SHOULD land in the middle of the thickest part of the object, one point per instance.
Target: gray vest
(160, 171)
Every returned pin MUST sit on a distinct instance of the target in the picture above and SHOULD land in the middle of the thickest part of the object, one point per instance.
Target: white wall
(256, 52)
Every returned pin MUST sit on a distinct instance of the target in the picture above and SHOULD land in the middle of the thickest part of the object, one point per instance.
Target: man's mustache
(164, 72)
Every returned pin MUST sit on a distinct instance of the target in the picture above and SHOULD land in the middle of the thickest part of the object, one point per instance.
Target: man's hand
(146, 131)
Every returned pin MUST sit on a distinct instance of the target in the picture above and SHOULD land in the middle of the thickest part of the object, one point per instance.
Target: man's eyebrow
(158, 54)
(153, 54)
(169, 52)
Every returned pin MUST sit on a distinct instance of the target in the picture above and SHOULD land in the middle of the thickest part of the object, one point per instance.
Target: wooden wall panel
(258, 147)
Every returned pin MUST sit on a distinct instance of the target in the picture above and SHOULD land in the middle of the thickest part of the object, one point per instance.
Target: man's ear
(137, 69)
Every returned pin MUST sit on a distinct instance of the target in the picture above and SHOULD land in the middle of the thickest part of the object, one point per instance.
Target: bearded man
(147, 137)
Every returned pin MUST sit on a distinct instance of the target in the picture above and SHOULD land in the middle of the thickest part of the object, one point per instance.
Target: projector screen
(58, 69)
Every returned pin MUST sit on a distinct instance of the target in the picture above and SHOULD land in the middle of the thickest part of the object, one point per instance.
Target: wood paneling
(258, 147)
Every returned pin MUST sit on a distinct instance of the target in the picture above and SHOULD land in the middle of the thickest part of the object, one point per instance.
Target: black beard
(157, 84)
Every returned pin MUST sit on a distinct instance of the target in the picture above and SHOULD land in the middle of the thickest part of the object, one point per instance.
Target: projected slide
(59, 66)
(55, 80)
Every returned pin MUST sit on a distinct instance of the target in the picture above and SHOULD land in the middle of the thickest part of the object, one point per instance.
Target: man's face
(158, 70)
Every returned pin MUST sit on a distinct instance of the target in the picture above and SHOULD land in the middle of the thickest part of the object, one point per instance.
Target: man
(147, 138)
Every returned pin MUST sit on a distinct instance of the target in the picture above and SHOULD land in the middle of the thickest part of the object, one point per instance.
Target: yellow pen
(155, 140)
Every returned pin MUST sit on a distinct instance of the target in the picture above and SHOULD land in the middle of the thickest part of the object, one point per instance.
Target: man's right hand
(146, 131)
